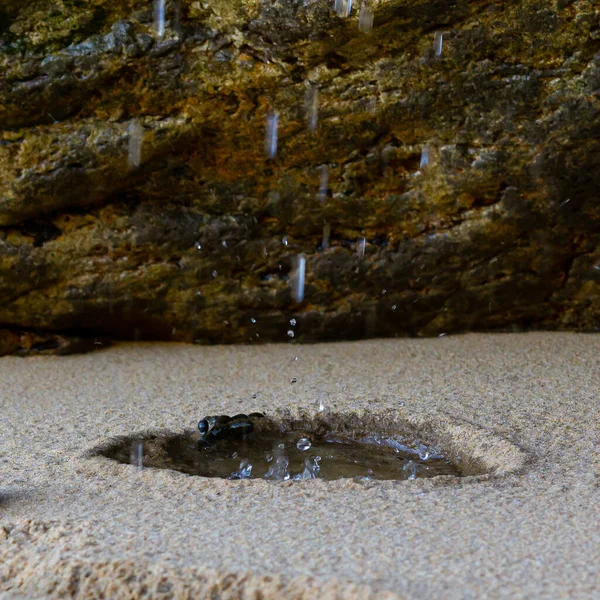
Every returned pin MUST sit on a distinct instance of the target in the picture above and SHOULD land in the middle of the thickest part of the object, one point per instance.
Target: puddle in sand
(281, 456)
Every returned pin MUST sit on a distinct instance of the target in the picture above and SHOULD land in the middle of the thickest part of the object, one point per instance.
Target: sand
(521, 408)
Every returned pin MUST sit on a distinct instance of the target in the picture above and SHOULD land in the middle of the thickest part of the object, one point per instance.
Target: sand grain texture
(523, 406)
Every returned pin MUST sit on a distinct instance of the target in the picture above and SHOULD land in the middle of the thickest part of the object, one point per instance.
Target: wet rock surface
(471, 176)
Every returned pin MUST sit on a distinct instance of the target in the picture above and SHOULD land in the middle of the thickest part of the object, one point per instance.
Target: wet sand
(521, 408)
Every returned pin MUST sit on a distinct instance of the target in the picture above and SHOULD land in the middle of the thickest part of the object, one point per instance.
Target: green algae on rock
(499, 229)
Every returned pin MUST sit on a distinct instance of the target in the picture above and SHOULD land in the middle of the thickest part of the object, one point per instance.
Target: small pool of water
(282, 456)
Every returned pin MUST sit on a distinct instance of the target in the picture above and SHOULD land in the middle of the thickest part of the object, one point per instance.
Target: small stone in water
(290, 333)
(303, 444)
(271, 134)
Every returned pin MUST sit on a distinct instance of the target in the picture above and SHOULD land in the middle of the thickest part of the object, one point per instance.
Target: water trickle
(271, 134)
(312, 107)
(159, 17)
(365, 19)
(297, 279)
(424, 157)
(136, 133)
(343, 7)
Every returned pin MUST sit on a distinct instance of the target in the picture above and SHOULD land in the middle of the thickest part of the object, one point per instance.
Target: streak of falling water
(323, 182)
(159, 17)
(438, 40)
(137, 454)
(271, 134)
(343, 7)
(312, 107)
(362, 245)
(136, 134)
(298, 277)
(365, 19)
(326, 236)
(424, 157)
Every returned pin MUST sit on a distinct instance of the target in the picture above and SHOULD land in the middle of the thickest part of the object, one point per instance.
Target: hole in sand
(290, 448)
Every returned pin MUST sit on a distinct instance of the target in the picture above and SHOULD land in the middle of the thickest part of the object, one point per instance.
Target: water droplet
(424, 157)
(252, 320)
(409, 470)
(271, 134)
(281, 446)
(214, 273)
(268, 457)
(284, 241)
(198, 246)
(326, 234)
(293, 380)
(423, 452)
(323, 182)
(365, 19)
(362, 245)
(394, 307)
(254, 395)
(136, 456)
(290, 333)
(293, 322)
(303, 444)
(312, 107)
(224, 244)
(438, 40)
(297, 279)
(159, 17)
(321, 405)
(294, 359)
(136, 134)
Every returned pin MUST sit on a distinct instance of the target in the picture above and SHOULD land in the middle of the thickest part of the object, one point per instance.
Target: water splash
(278, 471)
(271, 134)
(159, 17)
(365, 19)
(244, 472)
(409, 470)
(311, 469)
(136, 134)
(312, 107)
(297, 280)
(303, 444)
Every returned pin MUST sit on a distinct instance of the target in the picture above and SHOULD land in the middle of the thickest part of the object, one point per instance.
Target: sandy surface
(523, 407)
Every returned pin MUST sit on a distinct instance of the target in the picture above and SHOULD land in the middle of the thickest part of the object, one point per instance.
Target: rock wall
(439, 186)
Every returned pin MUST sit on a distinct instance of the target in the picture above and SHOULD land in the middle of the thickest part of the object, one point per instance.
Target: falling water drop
(297, 279)
(271, 134)
(323, 182)
(303, 444)
(362, 245)
(326, 235)
(424, 157)
(312, 107)
(159, 17)
(136, 133)
(365, 19)
(137, 454)
(290, 333)
(409, 470)
(438, 40)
